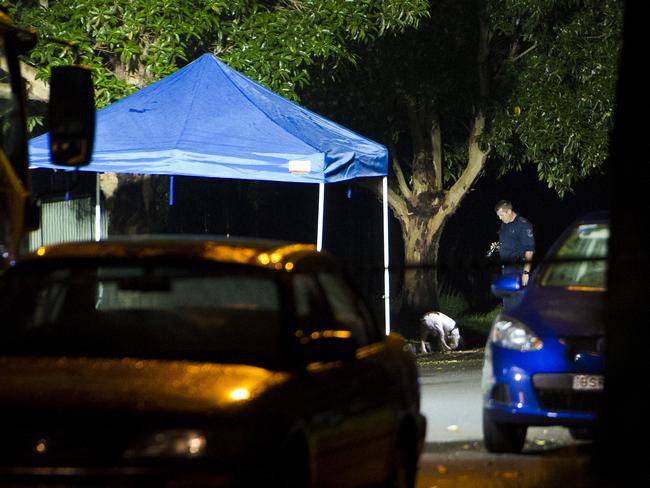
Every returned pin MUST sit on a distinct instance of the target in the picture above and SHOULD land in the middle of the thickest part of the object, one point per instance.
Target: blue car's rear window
(581, 260)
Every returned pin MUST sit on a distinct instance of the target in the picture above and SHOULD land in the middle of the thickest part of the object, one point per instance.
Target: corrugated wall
(65, 221)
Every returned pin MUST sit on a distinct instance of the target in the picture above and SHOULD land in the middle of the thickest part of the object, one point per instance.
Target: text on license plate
(588, 382)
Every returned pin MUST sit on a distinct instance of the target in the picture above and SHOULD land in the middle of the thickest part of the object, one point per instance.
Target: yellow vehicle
(71, 124)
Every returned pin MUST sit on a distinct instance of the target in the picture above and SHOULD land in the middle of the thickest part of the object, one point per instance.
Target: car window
(581, 260)
(345, 306)
(312, 311)
(142, 311)
(230, 291)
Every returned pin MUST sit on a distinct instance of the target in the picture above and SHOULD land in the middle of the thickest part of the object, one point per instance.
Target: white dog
(438, 328)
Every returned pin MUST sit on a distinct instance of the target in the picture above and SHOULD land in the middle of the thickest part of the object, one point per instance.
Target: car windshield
(581, 261)
(139, 310)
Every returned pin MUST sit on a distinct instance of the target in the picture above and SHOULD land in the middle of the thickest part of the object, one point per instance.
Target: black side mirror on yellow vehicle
(71, 115)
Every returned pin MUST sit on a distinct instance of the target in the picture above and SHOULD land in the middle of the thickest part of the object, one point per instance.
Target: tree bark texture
(422, 212)
(421, 241)
(137, 204)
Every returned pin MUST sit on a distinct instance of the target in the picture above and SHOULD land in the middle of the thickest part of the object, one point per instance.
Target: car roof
(595, 216)
(264, 253)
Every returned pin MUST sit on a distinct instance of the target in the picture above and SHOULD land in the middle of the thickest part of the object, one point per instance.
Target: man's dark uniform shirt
(515, 239)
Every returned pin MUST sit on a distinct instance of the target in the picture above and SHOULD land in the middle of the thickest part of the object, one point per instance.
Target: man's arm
(528, 263)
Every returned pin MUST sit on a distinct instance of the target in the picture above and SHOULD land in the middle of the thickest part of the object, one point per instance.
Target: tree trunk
(422, 227)
(421, 241)
(136, 204)
(422, 215)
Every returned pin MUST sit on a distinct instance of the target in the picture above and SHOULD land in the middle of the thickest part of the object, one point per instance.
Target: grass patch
(480, 323)
(453, 304)
(473, 327)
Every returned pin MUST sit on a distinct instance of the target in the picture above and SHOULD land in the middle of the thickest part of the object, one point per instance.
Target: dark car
(193, 362)
(544, 362)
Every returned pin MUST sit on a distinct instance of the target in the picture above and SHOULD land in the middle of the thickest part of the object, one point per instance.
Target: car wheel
(503, 437)
(403, 464)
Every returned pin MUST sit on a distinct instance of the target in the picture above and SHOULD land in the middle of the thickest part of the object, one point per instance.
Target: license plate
(588, 382)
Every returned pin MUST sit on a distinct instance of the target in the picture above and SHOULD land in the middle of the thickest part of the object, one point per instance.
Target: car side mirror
(506, 285)
(71, 116)
(328, 348)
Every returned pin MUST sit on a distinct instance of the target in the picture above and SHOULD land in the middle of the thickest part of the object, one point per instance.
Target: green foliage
(452, 302)
(432, 68)
(548, 95)
(277, 47)
(556, 99)
(548, 92)
(34, 121)
(148, 37)
(130, 43)
(480, 323)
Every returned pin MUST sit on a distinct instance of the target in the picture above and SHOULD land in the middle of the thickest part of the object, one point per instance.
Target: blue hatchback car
(544, 361)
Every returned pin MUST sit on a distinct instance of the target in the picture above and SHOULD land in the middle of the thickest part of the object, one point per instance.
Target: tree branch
(423, 172)
(396, 200)
(397, 203)
(36, 89)
(476, 156)
(436, 149)
(523, 53)
(399, 174)
(416, 133)
(476, 159)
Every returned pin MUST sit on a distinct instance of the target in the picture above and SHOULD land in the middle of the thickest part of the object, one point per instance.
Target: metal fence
(67, 220)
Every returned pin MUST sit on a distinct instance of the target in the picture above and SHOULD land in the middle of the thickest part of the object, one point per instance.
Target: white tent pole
(386, 257)
(98, 210)
(321, 211)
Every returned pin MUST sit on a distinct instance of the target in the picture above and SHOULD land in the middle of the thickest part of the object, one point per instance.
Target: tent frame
(208, 120)
(319, 242)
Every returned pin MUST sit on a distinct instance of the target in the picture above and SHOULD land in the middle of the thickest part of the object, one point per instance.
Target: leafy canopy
(546, 86)
(547, 93)
(130, 43)
(557, 91)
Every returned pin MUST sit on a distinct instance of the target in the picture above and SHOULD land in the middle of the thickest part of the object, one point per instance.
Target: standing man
(516, 245)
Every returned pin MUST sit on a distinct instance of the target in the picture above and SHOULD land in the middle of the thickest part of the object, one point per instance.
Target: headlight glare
(512, 334)
(174, 443)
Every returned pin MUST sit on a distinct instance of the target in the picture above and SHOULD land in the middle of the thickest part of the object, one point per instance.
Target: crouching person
(438, 331)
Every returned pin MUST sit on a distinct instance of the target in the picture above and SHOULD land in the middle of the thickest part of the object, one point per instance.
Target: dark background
(353, 222)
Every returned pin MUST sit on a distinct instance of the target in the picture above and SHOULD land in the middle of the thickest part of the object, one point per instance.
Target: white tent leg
(98, 210)
(386, 257)
(321, 211)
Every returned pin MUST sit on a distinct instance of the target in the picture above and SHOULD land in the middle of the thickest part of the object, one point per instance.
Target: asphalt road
(454, 453)
(451, 397)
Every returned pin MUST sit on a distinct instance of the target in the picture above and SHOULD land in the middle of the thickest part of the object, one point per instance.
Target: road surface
(454, 453)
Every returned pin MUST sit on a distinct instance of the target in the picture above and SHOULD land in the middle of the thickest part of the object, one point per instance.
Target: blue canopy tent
(208, 120)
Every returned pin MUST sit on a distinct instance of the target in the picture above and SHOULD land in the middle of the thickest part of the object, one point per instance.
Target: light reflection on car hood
(560, 312)
(130, 384)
